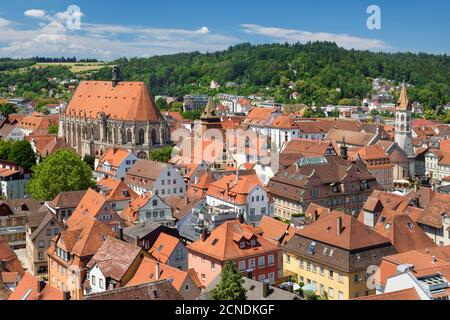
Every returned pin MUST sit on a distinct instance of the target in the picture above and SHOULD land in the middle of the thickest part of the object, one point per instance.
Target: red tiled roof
(127, 101)
(163, 247)
(28, 289)
(229, 188)
(354, 234)
(223, 243)
(147, 273)
(114, 258)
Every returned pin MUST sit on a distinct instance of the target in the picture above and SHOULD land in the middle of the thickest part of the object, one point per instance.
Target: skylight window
(215, 242)
(388, 226)
(312, 247)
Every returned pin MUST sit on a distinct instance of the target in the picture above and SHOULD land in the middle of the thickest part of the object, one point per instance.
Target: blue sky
(110, 29)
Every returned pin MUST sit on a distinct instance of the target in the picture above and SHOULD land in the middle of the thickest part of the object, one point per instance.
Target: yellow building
(332, 256)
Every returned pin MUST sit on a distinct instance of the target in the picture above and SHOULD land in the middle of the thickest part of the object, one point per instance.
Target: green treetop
(61, 171)
(230, 285)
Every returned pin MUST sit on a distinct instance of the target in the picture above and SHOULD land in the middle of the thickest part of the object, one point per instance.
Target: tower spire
(403, 101)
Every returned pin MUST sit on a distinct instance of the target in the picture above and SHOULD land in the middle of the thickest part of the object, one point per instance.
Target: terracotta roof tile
(164, 247)
(114, 258)
(222, 245)
(354, 234)
(127, 101)
(28, 289)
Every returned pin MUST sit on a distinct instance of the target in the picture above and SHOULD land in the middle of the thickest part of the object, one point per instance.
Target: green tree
(161, 103)
(90, 161)
(5, 149)
(7, 108)
(230, 285)
(53, 129)
(22, 153)
(61, 171)
(162, 154)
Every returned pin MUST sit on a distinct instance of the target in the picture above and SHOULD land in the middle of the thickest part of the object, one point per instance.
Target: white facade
(169, 183)
(156, 210)
(97, 280)
(434, 169)
(257, 205)
(440, 236)
(280, 137)
(121, 170)
(16, 134)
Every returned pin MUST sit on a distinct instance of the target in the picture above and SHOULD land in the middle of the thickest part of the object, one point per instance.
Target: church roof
(129, 101)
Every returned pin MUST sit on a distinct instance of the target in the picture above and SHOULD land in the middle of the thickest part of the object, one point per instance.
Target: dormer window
(242, 244)
(253, 243)
(335, 188)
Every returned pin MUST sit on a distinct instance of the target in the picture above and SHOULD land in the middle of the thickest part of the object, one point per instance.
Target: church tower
(403, 128)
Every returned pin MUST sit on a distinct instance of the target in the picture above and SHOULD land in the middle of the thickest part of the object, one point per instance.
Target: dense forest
(321, 72)
(14, 64)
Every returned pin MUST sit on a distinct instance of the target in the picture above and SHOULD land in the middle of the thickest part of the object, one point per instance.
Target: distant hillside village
(171, 208)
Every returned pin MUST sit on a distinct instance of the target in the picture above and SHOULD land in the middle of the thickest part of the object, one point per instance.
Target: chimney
(339, 226)
(204, 234)
(41, 285)
(266, 289)
(66, 295)
(157, 271)
(115, 149)
(116, 76)
(344, 149)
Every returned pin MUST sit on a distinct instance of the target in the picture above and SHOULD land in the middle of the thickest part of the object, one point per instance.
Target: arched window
(141, 139)
(403, 118)
(129, 136)
(402, 127)
(154, 137)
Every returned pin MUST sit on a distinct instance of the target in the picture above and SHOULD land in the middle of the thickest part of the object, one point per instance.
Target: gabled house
(243, 193)
(154, 177)
(186, 283)
(40, 229)
(112, 266)
(171, 251)
(253, 254)
(115, 163)
(332, 255)
(93, 205)
(116, 193)
(64, 204)
(71, 251)
(148, 207)
(32, 288)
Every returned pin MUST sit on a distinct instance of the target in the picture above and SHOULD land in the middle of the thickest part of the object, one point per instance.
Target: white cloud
(35, 13)
(52, 37)
(203, 30)
(292, 35)
(4, 23)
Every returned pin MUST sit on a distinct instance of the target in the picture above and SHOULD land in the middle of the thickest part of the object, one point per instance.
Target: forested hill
(315, 69)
